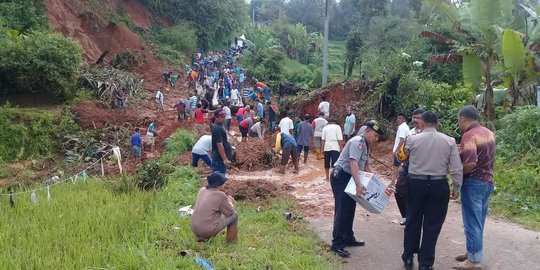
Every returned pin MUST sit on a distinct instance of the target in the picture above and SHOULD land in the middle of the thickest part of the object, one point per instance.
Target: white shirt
(203, 145)
(285, 125)
(325, 108)
(234, 94)
(320, 123)
(227, 111)
(402, 133)
(413, 131)
(350, 122)
(331, 134)
(257, 128)
(159, 95)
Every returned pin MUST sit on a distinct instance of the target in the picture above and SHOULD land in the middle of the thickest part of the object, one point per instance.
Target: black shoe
(408, 262)
(341, 252)
(356, 243)
(403, 222)
(425, 268)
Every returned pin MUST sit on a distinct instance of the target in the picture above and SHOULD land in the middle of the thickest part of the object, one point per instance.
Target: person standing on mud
(477, 152)
(286, 124)
(151, 134)
(432, 156)
(305, 134)
(349, 126)
(353, 159)
(324, 107)
(221, 148)
(120, 98)
(180, 110)
(136, 143)
(272, 111)
(318, 124)
(199, 119)
(159, 99)
(228, 116)
(331, 138)
(192, 104)
(286, 143)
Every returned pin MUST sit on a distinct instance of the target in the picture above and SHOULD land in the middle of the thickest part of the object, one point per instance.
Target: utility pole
(325, 45)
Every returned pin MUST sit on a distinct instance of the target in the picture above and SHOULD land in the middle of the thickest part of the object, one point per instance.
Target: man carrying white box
(353, 159)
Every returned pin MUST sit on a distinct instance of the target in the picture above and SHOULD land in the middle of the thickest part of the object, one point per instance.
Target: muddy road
(507, 245)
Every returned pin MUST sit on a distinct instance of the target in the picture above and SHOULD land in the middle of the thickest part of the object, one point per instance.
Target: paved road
(507, 245)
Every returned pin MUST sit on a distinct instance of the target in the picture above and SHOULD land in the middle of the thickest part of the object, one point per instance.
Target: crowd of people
(424, 158)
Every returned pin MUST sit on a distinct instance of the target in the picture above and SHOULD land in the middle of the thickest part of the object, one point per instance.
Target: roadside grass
(517, 185)
(114, 225)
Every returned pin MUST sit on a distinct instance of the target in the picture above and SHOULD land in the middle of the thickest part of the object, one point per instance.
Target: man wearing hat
(221, 148)
(432, 155)
(353, 159)
(214, 211)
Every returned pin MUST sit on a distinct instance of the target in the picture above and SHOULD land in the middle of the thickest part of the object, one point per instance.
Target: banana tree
(480, 21)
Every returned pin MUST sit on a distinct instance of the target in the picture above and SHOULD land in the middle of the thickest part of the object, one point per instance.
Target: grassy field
(114, 225)
(336, 59)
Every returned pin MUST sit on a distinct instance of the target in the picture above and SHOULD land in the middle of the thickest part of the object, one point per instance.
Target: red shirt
(199, 116)
(261, 85)
(240, 112)
(478, 146)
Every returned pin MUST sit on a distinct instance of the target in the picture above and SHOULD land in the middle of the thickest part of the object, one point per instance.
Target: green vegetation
(126, 228)
(32, 133)
(517, 170)
(214, 21)
(176, 42)
(38, 63)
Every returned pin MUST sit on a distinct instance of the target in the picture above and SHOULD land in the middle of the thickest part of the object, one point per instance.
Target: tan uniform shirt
(433, 153)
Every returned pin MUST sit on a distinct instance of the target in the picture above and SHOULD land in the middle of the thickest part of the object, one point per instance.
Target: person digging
(286, 142)
(214, 211)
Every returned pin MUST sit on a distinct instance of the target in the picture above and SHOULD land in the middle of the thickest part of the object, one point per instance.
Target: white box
(376, 198)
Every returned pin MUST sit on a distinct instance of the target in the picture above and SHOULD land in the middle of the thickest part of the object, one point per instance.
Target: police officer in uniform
(353, 159)
(432, 156)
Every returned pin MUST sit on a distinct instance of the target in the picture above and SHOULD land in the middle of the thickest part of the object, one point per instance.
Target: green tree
(216, 21)
(22, 15)
(39, 63)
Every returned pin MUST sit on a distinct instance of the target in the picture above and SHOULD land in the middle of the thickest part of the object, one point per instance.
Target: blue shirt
(287, 140)
(241, 77)
(136, 139)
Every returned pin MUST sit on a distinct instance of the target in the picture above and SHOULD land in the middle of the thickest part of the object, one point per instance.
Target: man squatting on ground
(214, 211)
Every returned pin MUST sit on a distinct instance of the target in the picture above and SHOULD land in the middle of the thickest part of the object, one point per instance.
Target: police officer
(432, 155)
(353, 159)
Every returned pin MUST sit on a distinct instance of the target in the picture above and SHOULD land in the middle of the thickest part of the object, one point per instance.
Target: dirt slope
(96, 34)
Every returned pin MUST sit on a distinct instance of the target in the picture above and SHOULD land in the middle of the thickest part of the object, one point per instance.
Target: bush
(180, 37)
(150, 175)
(39, 63)
(519, 133)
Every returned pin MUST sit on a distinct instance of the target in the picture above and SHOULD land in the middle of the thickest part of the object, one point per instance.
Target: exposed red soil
(138, 14)
(339, 95)
(253, 189)
(96, 35)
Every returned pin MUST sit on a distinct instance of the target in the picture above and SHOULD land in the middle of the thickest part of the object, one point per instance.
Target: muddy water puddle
(309, 187)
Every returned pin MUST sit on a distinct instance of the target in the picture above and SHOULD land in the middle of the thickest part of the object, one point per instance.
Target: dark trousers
(401, 191)
(344, 210)
(426, 211)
